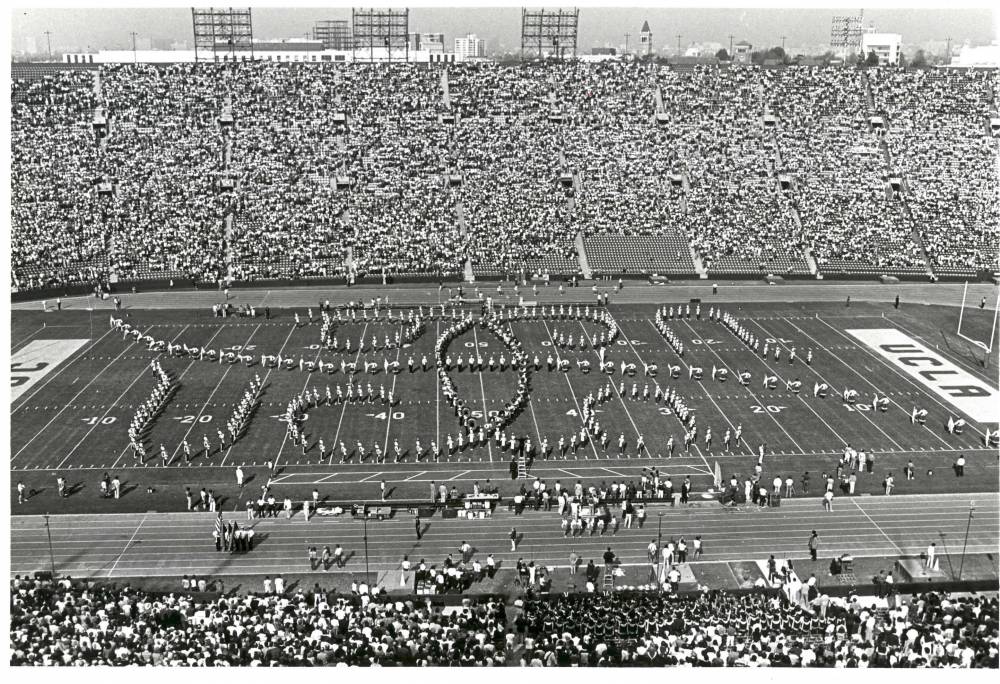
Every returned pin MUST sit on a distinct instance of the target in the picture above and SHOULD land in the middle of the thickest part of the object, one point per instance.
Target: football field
(77, 385)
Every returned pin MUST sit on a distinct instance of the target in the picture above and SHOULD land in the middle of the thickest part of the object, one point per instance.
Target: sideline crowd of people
(72, 623)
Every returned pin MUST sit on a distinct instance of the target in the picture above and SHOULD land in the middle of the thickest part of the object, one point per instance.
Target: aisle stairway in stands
(467, 273)
(891, 171)
(469, 276)
(699, 266)
(581, 254)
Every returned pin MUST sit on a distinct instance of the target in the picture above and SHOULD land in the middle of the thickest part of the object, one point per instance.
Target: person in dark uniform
(417, 524)
(813, 545)
(267, 312)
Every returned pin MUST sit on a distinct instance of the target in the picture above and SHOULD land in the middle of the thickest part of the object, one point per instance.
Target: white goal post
(988, 348)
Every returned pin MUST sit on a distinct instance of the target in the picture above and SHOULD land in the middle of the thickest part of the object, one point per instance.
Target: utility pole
(659, 543)
(948, 54)
(48, 40)
(135, 59)
(52, 558)
(364, 517)
(961, 566)
(678, 43)
(730, 46)
(626, 42)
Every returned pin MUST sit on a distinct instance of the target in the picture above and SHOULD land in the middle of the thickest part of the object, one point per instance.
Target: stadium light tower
(135, 59)
(48, 40)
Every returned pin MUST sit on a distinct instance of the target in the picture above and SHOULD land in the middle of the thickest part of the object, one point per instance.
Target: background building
(470, 47)
(885, 45)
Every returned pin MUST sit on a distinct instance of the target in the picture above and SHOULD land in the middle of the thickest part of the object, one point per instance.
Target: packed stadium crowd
(834, 160)
(64, 622)
(941, 144)
(259, 169)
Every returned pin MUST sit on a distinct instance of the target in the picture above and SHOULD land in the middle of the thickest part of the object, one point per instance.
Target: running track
(634, 292)
(170, 544)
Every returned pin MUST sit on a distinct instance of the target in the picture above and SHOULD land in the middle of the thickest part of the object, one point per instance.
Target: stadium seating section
(756, 170)
(79, 624)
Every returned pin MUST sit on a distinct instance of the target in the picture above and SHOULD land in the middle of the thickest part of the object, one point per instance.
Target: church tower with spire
(646, 39)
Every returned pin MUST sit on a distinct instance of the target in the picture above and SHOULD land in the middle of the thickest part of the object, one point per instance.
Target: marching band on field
(479, 429)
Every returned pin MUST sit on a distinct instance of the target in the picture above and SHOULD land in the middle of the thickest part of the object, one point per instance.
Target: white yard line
(531, 406)
(343, 407)
(263, 384)
(707, 393)
(305, 385)
(111, 408)
(179, 378)
(28, 397)
(869, 382)
(127, 544)
(821, 377)
(212, 394)
(71, 401)
(735, 375)
(392, 391)
(579, 410)
(482, 390)
(766, 365)
(628, 413)
(28, 337)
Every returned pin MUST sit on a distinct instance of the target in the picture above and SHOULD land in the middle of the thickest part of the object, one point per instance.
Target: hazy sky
(110, 28)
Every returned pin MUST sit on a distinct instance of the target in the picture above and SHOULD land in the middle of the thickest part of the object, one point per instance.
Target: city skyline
(103, 28)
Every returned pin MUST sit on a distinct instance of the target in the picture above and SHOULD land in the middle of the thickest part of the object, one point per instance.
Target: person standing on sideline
(931, 556)
(828, 501)
(381, 487)
(417, 525)
(889, 483)
(696, 545)
(513, 539)
(404, 570)
(813, 545)
(960, 466)
(21, 498)
(239, 477)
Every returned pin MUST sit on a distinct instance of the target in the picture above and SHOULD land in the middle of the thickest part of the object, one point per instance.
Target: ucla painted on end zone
(968, 394)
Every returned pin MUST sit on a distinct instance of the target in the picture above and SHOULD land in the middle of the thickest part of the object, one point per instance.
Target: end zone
(960, 389)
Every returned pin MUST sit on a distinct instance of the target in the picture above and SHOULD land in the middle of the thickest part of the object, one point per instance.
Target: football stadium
(636, 361)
